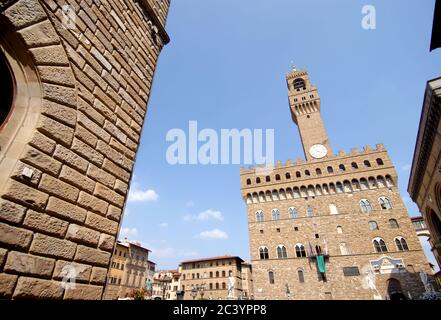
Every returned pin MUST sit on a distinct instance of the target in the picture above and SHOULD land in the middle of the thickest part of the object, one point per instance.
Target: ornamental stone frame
(69, 146)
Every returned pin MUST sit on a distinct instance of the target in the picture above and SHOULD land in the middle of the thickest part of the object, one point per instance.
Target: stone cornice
(148, 10)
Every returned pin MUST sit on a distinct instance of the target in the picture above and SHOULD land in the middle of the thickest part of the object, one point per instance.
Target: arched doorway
(394, 290)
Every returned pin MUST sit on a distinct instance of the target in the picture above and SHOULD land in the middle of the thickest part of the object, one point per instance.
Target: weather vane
(293, 67)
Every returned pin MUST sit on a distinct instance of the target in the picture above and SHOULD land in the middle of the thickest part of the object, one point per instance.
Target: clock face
(318, 151)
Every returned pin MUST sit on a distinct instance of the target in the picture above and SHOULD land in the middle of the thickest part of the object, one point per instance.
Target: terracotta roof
(212, 258)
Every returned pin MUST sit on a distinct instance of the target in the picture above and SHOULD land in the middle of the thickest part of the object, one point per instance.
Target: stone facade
(130, 270)
(301, 210)
(213, 275)
(425, 179)
(81, 73)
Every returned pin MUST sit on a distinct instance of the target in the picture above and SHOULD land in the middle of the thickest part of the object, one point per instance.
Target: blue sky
(225, 67)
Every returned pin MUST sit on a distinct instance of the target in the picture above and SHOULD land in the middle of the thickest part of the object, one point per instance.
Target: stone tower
(76, 77)
(333, 226)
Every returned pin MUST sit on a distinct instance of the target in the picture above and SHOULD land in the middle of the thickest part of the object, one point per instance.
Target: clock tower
(304, 102)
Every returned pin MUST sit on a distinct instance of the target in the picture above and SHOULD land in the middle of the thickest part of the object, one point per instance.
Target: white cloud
(406, 167)
(136, 194)
(163, 225)
(206, 215)
(129, 232)
(212, 234)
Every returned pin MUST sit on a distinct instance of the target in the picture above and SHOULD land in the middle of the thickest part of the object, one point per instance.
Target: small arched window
(363, 184)
(373, 225)
(307, 173)
(344, 250)
(267, 179)
(393, 224)
(365, 206)
(298, 175)
(342, 167)
(211, 286)
(385, 203)
(263, 253)
(339, 230)
(277, 177)
(330, 170)
(248, 181)
(217, 274)
(310, 212)
(288, 175)
(271, 277)
(380, 162)
(223, 274)
(276, 214)
(300, 250)
(401, 244)
(217, 286)
(257, 180)
(379, 245)
(281, 252)
(367, 164)
(301, 276)
(259, 216)
(333, 209)
(299, 84)
(211, 274)
(293, 214)
(354, 165)
(318, 171)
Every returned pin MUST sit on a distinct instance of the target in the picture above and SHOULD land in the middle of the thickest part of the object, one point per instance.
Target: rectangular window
(351, 271)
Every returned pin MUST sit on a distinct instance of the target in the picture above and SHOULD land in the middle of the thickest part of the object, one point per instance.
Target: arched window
(344, 250)
(373, 225)
(339, 187)
(333, 209)
(259, 216)
(330, 170)
(223, 274)
(401, 244)
(342, 167)
(380, 162)
(300, 250)
(257, 180)
(307, 173)
(389, 181)
(277, 177)
(385, 203)
(379, 245)
(363, 184)
(367, 164)
(217, 274)
(288, 175)
(293, 214)
(339, 229)
(217, 286)
(298, 175)
(354, 165)
(211, 286)
(372, 182)
(248, 181)
(276, 214)
(267, 179)
(263, 253)
(281, 252)
(381, 182)
(310, 212)
(271, 277)
(301, 276)
(365, 206)
(318, 171)
(299, 84)
(211, 274)
(393, 224)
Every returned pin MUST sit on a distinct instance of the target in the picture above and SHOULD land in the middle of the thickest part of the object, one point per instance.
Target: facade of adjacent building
(166, 285)
(77, 76)
(425, 178)
(130, 270)
(211, 278)
(333, 226)
(247, 281)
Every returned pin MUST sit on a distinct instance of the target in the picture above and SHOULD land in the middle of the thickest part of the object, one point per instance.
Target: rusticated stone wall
(83, 71)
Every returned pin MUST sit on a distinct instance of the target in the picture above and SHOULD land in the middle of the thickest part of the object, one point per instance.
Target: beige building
(166, 285)
(212, 278)
(247, 281)
(425, 178)
(77, 76)
(333, 226)
(130, 270)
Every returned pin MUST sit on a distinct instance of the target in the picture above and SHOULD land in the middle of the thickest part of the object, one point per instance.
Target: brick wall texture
(95, 60)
